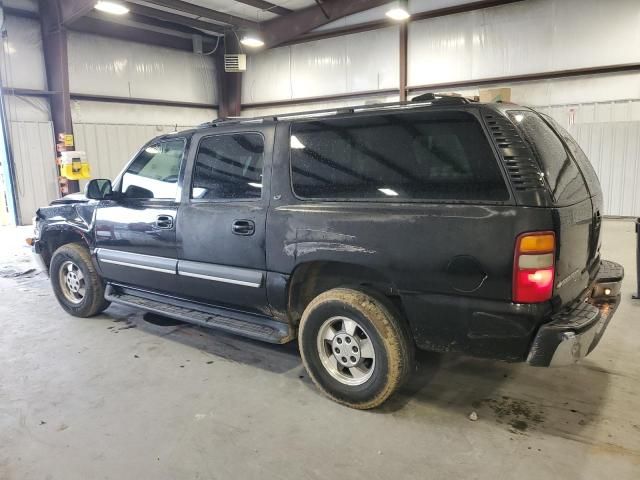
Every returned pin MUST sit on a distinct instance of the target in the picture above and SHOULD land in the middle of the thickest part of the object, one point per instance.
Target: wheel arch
(310, 279)
(58, 235)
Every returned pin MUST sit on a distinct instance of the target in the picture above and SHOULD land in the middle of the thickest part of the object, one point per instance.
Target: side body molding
(221, 273)
(137, 260)
(206, 271)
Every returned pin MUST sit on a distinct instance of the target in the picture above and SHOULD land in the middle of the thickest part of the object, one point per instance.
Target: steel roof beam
(203, 12)
(282, 29)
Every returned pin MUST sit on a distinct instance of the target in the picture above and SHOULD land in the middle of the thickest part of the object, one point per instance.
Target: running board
(247, 325)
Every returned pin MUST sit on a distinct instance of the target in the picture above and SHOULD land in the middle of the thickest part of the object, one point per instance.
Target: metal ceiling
(278, 21)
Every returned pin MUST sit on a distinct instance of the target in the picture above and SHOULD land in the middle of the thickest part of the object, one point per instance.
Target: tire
(89, 299)
(359, 380)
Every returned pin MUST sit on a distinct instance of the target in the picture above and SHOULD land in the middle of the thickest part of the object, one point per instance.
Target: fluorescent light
(252, 41)
(399, 12)
(113, 8)
(388, 191)
(255, 185)
(295, 143)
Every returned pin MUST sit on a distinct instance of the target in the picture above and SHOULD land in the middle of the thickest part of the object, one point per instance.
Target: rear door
(221, 222)
(574, 217)
(135, 234)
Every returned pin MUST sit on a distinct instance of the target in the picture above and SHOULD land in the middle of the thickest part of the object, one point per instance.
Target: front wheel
(355, 347)
(78, 287)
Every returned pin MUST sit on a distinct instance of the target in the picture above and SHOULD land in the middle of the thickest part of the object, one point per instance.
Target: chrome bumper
(573, 333)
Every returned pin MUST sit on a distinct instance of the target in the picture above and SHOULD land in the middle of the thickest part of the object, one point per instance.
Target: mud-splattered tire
(78, 287)
(355, 347)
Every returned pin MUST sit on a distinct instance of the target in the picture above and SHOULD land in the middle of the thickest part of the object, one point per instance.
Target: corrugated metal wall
(609, 133)
(36, 175)
(109, 146)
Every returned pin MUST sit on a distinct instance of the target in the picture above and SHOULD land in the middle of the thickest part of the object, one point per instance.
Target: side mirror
(138, 193)
(98, 189)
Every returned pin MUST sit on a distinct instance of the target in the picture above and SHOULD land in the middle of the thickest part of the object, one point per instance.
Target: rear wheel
(355, 347)
(78, 287)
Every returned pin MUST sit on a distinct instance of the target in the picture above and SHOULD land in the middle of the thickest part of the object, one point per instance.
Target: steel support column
(404, 33)
(54, 44)
(229, 83)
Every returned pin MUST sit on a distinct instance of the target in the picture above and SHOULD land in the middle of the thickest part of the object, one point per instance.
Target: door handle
(243, 227)
(164, 222)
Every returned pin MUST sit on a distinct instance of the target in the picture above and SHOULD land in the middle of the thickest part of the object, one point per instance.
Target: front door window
(154, 172)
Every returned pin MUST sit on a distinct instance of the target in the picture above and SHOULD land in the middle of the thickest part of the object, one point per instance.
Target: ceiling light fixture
(400, 11)
(113, 8)
(252, 40)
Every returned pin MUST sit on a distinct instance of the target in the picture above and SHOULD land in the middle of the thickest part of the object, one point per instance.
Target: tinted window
(229, 167)
(565, 180)
(419, 155)
(154, 172)
(581, 159)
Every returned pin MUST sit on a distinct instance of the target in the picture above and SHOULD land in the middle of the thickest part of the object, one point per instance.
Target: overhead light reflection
(296, 143)
(389, 192)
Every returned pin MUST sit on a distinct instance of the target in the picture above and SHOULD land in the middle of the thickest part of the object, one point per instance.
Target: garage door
(32, 144)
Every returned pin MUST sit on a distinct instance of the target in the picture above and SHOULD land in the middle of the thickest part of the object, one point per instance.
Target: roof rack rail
(441, 99)
(419, 101)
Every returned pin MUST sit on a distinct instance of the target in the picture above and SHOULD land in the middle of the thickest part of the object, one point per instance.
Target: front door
(136, 234)
(221, 221)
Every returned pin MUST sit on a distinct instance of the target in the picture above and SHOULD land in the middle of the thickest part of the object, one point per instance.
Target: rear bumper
(573, 333)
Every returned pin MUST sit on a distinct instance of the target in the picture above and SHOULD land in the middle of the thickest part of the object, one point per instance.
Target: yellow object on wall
(74, 166)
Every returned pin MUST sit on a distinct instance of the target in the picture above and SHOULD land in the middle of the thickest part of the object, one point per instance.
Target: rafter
(266, 6)
(282, 29)
(174, 18)
(71, 10)
(203, 12)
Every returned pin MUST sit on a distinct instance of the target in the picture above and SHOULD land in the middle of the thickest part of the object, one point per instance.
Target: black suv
(441, 224)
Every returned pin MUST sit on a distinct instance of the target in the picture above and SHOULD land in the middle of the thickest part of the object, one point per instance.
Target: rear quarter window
(565, 180)
(395, 156)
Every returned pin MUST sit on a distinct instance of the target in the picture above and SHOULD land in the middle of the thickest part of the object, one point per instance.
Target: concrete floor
(129, 396)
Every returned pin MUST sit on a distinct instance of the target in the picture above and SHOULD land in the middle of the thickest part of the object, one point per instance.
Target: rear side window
(418, 155)
(229, 167)
(561, 173)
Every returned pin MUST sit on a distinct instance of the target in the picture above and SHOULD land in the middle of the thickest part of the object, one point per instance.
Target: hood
(70, 199)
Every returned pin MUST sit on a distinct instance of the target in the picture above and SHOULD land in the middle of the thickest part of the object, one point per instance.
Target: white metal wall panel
(32, 144)
(524, 37)
(23, 57)
(331, 66)
(268, 76)
(106, 66)
(259, 112)
(110, 146)
(614, 151)
(27, 109)
(83, 111)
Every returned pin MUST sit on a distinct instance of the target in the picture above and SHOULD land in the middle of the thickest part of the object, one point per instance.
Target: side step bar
(247, 325)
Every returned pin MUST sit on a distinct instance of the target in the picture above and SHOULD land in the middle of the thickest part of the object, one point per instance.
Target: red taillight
(533, 267)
